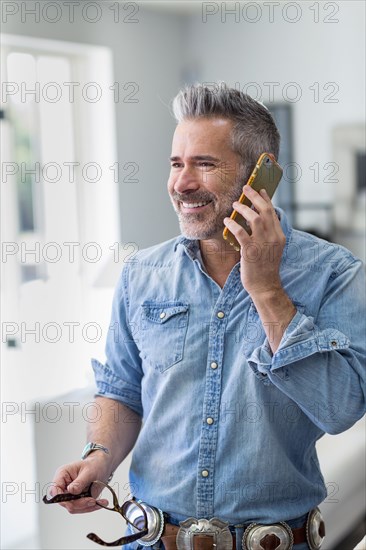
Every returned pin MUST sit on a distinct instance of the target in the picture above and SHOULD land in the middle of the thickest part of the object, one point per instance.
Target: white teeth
(193, 204)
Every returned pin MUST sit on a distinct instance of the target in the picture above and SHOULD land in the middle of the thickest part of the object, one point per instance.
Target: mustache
(192, 197)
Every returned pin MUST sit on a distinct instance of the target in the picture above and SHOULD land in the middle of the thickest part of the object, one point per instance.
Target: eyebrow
(196, 157)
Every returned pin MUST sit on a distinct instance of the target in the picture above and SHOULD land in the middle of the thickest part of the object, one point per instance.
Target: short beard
(194, 228)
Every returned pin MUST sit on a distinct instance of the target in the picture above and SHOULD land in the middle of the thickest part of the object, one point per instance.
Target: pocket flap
(161, 312)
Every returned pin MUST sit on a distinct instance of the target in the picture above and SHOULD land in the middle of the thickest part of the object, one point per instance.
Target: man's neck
(219, 257)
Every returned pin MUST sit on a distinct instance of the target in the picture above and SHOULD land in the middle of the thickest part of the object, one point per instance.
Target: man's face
(204, 176)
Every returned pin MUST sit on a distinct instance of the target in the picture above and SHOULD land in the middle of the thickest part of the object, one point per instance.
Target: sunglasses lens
(141, 516)
(103, 494)
(134, 515)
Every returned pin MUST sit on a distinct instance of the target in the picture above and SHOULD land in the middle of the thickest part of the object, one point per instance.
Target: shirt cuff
(300, 340)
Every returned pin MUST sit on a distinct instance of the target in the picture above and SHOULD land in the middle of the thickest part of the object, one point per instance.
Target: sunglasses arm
(119, 542)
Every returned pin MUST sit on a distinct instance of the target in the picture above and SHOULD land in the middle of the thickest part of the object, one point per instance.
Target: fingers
(79, 506)
(260, 200)
(60, 481)
(82, 482)
(260, 217)
(261, 203)
(261, 209)
(82, 506)
(250, 215)
(238, 231)
(74, 478)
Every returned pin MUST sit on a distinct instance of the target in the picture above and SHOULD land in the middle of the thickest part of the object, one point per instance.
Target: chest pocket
(164, 327)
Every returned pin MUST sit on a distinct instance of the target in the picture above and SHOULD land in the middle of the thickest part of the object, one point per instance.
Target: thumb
(79, 484)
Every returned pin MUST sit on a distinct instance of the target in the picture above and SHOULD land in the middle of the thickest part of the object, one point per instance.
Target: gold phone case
(266, 175)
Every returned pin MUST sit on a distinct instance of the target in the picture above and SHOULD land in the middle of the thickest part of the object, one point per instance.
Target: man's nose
(186, 181)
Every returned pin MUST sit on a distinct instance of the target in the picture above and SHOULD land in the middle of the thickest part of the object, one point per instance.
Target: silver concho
(191, 527)
(155, 522)
(255, 533)
(315, 531)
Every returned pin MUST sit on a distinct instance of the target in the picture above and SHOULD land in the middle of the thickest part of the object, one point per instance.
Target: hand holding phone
(266, 175)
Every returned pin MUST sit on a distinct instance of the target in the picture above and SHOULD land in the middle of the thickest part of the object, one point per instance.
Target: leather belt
(205, 542)
(200, 542)
(215, 534)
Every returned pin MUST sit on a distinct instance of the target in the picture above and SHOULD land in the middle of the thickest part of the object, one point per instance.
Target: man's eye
(206, 164)
(176, 165)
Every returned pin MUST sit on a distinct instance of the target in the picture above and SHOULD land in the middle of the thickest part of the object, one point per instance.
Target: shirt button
(162, 315)
(333, 343)
(204, 473)
(214, 365)
(209, 420)
(220, 314)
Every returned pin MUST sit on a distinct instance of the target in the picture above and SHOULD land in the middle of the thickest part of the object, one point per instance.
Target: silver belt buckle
(155, 523)
(315, 530)
(278, 535)
(191, 527)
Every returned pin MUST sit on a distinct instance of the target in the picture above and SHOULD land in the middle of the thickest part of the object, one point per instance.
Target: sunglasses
(133, 513)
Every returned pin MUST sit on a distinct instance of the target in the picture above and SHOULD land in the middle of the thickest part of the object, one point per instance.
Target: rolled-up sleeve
(120, 377)
(320, 363)
(301, 339)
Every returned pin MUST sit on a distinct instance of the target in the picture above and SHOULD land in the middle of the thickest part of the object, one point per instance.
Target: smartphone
(266, 175)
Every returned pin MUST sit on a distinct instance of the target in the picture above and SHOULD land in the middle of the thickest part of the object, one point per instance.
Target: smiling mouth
(192, 205)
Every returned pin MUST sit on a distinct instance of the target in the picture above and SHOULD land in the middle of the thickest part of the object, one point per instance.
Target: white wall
(303, 52)
(148, 54)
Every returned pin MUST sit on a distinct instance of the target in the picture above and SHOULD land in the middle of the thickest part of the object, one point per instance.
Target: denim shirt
(229, 429)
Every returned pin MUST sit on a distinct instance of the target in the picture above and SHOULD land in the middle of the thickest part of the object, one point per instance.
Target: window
(43, 133)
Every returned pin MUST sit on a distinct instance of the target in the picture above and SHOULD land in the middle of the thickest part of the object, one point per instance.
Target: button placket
(209, 431)
(211, 405)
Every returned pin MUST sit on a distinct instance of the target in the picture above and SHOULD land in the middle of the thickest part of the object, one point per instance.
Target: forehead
(213, 133)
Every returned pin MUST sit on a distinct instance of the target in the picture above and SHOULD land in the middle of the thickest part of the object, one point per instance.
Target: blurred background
(86, 130)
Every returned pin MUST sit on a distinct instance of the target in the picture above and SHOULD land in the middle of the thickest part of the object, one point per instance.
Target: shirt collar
(188, 246)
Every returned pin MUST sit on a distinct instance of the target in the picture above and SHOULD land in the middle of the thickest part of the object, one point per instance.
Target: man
(223, 367)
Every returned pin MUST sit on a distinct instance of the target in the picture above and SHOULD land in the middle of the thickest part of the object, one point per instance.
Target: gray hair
(254, 130)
